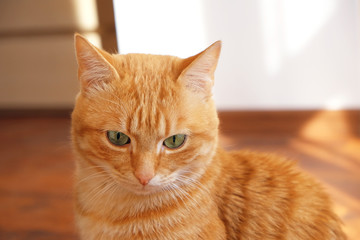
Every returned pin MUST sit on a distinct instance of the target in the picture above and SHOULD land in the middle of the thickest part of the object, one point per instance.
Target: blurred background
(277, 54)
(288, 81)
(37, 62)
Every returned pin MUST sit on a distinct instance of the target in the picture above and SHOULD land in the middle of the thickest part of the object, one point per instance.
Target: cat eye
(118, 138)
(175, 141)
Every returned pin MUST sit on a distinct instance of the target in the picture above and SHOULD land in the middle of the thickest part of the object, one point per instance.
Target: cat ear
(198, 76)
(94, 69)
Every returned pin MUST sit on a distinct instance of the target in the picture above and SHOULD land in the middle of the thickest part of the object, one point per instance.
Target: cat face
(147, 122)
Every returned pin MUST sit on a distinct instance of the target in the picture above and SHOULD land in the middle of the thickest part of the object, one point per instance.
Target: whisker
(176, 191)
(114, 186)
(95, 190)
(101, 192)
(183, 194)
(92, 176)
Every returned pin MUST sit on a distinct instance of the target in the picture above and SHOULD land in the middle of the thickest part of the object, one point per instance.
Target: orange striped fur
(197, 191)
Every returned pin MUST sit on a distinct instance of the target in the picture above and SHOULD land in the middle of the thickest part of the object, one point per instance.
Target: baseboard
(289, 122)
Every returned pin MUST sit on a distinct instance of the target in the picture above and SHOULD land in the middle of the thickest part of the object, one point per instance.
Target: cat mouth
(140, 189)
(154, 186)
(146, 190)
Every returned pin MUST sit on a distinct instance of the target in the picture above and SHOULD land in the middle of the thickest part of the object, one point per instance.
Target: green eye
(175, 141)
(118, 138)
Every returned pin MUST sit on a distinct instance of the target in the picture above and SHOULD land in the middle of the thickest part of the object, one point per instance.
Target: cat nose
(144, 177)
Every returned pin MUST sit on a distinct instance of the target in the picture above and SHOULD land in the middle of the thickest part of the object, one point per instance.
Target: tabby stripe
(167, 126)
(139, 116)
(249, 172)
(128, 123)
(290, 211)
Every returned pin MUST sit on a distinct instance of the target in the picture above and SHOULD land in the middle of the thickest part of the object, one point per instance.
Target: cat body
(148, 164)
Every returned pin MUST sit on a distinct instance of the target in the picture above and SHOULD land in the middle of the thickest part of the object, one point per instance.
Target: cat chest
(149, 227)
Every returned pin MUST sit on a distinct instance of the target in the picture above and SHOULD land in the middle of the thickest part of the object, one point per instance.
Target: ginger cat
(148, 166)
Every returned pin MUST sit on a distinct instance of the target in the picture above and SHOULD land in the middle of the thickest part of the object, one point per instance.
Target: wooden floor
(36, 164)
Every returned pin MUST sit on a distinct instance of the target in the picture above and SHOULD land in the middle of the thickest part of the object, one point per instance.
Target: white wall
(277, 54)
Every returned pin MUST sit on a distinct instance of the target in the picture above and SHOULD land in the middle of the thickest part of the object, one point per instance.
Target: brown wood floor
(36, 164)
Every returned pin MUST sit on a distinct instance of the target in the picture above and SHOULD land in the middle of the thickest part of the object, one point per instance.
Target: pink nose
(144, 177)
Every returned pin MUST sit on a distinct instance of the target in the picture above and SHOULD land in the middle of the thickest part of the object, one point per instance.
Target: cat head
(147, 121)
